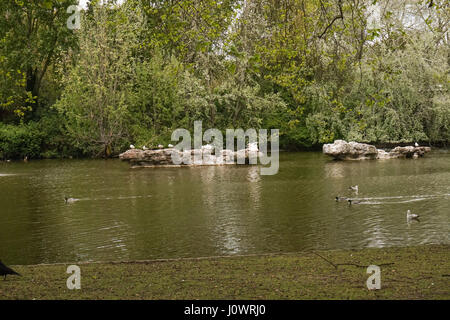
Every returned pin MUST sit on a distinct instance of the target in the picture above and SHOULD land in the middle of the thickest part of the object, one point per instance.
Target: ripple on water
(169, 213)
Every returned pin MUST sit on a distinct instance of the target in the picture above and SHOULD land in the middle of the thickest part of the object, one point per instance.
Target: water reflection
(226, 225)
(335, 169)
(128, 213)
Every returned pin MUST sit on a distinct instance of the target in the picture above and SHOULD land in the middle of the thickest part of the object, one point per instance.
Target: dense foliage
(319, 70)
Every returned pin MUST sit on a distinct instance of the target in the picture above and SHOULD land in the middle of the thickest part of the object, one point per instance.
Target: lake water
(126, 214)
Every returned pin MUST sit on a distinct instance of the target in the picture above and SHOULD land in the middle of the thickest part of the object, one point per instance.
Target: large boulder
(344, 150)
(409, 152)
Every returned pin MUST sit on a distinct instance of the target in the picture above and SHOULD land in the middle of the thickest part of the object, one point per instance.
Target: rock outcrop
(342, 150)
(409, 152)
(194, 157)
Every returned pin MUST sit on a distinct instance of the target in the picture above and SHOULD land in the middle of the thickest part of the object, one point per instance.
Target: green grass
(406, 273)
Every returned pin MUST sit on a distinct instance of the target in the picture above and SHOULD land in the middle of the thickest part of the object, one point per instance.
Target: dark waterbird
(4, 271)
(351, 201)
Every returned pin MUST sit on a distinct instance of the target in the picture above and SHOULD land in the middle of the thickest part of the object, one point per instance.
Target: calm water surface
(207, 211)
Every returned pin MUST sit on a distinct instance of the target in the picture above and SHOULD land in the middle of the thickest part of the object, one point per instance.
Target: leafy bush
(20, 141)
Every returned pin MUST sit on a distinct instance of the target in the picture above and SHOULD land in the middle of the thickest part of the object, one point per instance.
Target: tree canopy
(318, 70)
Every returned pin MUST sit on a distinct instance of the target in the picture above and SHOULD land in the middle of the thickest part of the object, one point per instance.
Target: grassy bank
(406, 273)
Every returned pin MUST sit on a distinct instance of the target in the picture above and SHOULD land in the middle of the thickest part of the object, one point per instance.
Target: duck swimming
(350, 201)
(340, 199)
(70, 200)
(411, 216)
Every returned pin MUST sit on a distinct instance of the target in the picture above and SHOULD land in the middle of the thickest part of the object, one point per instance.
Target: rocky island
(163, 157)
(343, 150)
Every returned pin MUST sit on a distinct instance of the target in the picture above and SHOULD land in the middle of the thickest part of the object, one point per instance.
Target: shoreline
(419, 272)
(285, 150)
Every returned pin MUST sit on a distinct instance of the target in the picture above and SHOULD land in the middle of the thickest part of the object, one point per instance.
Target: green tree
(94, 101)
(33, 36)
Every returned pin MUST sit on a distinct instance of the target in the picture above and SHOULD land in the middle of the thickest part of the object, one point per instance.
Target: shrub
(20, 141)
